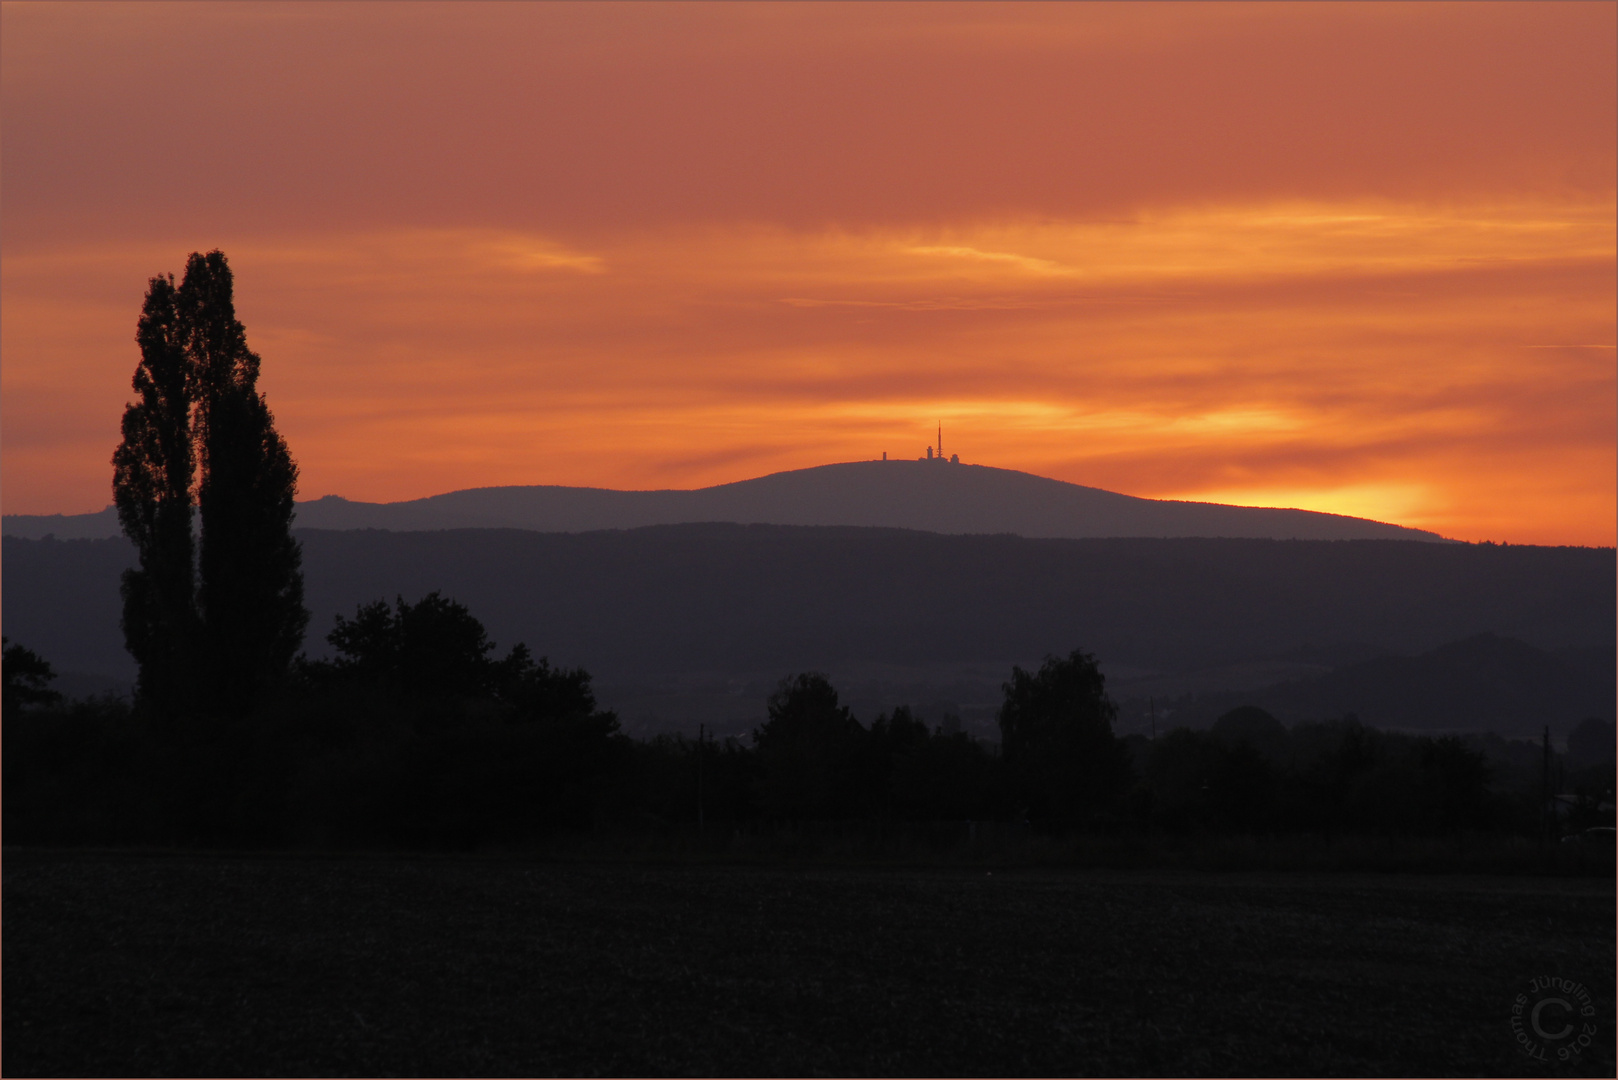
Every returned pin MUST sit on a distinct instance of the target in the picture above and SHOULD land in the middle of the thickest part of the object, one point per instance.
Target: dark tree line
(418, 732)
(204, 486)
(1250, 774)
(811, 760)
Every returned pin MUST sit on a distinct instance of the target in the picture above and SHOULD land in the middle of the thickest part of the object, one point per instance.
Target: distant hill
(934, 496)
(1482, 683)
(693, 622)
(101, 525)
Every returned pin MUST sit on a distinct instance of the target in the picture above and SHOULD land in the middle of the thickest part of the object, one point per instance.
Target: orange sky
(1352, 258)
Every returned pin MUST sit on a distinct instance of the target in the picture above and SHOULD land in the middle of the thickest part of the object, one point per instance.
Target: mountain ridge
(683, 624)
(930, 496)
(1483, 682)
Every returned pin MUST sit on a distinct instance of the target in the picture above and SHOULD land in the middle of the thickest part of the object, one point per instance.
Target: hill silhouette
(1481, 683)
(695, 622)
(934, 496)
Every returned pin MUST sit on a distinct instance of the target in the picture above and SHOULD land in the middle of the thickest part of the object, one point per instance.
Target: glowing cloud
(1178, 252)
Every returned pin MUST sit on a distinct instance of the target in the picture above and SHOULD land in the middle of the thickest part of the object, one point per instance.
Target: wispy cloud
(1368, 361)
(1007, 258)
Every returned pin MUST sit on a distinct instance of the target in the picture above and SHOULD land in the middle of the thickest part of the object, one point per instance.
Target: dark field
(183, 965)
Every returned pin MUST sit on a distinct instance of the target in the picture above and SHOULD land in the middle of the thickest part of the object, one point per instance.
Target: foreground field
(185, 965)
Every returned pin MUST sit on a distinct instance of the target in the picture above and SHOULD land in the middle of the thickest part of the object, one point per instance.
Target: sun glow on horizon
(1398, 504)
(1389, 299)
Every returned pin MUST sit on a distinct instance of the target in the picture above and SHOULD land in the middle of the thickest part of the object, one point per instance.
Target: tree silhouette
(535, 690)
(212, 623)
(27, 678)
(434, 648)
(152, 485)
(809, 751)
(251, 595)
(929, 774)
(894, 738)
(1056, 738)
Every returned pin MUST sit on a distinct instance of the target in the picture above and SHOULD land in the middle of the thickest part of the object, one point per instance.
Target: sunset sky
(1352, 258)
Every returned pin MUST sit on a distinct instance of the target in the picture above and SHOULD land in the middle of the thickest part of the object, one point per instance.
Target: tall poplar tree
(153, 471)
(213, 620)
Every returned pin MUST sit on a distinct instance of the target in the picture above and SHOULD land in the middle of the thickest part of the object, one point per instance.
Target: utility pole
(1151, 705)
(701, 740)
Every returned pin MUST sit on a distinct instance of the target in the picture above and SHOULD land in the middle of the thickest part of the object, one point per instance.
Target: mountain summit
(931, 495)
(934, 496)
